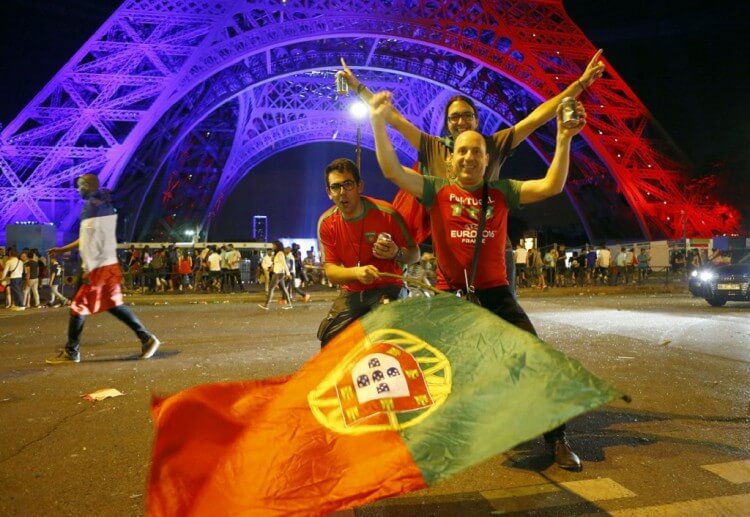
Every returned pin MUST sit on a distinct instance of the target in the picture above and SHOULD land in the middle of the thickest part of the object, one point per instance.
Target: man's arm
(395, 118)
(554, 182)
(64, 249)
(406, 179)
(546, 111)
(343, 275)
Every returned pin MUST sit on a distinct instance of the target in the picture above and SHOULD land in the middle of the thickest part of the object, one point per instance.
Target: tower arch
(159, 74)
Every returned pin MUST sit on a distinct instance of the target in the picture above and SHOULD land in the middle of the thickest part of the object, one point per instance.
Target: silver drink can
(570, 116)
(342, 87)
(384, 236)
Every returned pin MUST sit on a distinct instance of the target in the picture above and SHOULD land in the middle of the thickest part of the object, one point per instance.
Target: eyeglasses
(347, 185)
(467, 116)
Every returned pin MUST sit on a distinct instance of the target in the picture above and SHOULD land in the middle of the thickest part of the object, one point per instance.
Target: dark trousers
(16, 290)
(235, 279)
(121, 312)
(350, 306)
(500, 301)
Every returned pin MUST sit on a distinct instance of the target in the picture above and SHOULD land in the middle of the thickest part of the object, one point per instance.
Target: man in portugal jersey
(351, 253)
(455, 207)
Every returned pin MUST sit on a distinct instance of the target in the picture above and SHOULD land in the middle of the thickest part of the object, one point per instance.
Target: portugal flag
(407, 396)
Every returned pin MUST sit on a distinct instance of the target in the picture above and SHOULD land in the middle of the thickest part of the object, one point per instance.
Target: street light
(358, 110)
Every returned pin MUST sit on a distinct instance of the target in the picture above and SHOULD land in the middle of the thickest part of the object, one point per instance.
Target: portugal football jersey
(348, 242)
(454, 216)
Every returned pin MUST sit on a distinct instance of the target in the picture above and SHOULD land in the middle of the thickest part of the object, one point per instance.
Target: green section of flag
(508, 386)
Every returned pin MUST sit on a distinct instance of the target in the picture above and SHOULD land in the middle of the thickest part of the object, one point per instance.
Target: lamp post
(358, 110)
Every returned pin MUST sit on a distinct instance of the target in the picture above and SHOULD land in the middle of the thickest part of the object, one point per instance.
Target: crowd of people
(554, 266)
(23, 274)
(214, 268)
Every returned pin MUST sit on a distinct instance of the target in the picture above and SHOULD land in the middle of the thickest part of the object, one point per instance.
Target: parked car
(721, 284)
(699, 278)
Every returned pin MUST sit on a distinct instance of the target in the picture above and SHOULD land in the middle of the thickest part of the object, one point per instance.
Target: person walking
(281, 274)
(55, 282)
(102, 276)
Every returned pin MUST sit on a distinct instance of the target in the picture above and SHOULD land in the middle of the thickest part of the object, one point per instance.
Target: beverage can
(342, 87)
(570, 116)
(383, 236)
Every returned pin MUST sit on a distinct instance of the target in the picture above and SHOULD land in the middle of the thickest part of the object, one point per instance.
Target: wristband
(583, 88)
(399, 255)
(360, 87)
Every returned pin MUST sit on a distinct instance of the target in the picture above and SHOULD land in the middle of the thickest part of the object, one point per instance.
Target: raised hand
(594, 70)
(380, 105)
(348, 75)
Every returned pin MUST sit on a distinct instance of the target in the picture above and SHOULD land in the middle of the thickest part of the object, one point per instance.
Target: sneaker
(264, 307)
(307, 298)
(150, 347)
(17, 308)
(64, 357)
(287, 307)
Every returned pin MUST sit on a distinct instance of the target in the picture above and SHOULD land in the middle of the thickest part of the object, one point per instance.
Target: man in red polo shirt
(455, 207)
(352, 254)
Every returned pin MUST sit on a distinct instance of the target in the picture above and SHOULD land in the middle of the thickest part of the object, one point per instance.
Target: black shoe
(564, 455)
(64, 358)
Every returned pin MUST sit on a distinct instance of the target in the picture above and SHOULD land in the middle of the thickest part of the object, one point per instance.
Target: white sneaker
(150, 347)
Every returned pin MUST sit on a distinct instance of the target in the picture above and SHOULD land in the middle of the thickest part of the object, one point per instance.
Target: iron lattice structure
(173, 101)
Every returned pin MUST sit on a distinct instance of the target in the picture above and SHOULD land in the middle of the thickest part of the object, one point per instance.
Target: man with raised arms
(455, 206)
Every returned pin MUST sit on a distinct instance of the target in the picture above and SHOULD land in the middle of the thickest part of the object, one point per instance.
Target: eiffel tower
(172, 102)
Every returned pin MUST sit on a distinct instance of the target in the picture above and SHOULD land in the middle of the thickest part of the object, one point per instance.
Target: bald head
(470, 158)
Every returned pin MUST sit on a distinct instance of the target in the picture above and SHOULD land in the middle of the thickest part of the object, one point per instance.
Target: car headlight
(707, 275)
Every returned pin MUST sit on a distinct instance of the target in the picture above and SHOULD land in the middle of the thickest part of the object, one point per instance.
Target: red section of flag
(255, 448)
(101, 292)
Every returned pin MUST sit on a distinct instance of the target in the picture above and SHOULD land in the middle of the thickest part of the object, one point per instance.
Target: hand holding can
(342, 87)
(570, 118)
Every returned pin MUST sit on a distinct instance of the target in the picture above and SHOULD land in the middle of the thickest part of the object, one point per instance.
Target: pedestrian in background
(280, 276)
(102, 275)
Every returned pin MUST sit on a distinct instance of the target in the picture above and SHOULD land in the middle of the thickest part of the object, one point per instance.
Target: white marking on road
(734, 471)
(598, 489)
(725, 505)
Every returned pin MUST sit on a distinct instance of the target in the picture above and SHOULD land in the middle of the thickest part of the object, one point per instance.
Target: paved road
(681, 447)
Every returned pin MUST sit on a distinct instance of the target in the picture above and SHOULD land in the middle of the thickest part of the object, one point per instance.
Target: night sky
(686, 60)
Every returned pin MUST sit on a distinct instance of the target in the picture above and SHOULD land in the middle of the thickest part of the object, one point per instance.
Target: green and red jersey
(348, 242)
(454, 216)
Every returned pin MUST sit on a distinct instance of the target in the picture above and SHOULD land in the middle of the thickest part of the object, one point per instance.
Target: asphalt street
(682, 447)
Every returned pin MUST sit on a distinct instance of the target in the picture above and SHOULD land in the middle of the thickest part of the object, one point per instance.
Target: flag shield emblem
(390, 380)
